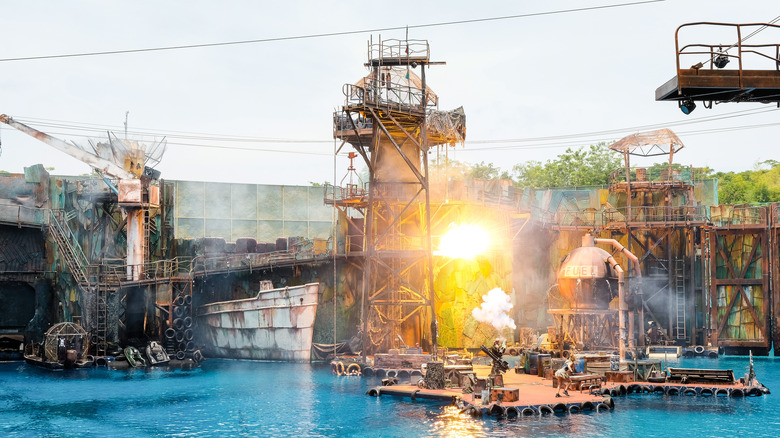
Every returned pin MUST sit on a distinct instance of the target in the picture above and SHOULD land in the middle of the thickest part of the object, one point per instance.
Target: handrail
(715, 50)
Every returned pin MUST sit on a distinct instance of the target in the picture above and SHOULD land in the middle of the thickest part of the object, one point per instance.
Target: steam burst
(494, 310)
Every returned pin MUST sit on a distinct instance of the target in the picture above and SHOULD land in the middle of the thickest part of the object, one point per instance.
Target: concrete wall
(261, 212)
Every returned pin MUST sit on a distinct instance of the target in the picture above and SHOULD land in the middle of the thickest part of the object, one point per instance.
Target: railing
(717, 54)
(350, 193)
(399, 49)
(343, 122)
(729, 215)
(599, 218)
(392, 95)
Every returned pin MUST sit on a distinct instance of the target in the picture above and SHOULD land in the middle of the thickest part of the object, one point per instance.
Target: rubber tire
(602, 407)
(559, 408)
(528, 411)
(575, 409)
(368, 371)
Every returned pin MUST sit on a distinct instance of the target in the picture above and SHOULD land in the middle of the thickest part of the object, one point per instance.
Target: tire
(511, 412)
(706, 392)
(689, 392)
(178, 311)
(632, 389)
(368, 372)
(712, 355)
(178, 324)
(416, 373)
(495, 410)
(340, 368)
(559, 408)
(197, 356)
(754, 392)
(373, 392)
(179, 301)
(188, 334)
(392, 373)
(353, 369)
(658, 389)
(170, 333)
(180, 355)
(673, 391)
(404, 374)
(647, 389)
(380, 372)
(188, 322)
(722, 392)
(622, 390)
(179, 337)
(602, 407)
(587, 406)
(574, 409)
(737, 392)
(614, 393)
(699, 349)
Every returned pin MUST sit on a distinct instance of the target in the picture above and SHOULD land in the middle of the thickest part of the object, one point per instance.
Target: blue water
(243, 398)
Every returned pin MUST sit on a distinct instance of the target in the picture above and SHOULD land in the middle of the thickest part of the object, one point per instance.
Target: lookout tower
(390, 118)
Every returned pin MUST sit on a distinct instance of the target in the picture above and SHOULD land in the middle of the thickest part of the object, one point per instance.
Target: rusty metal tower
(384, 119)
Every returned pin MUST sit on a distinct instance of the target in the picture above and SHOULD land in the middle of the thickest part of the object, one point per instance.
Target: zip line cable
(327, 34)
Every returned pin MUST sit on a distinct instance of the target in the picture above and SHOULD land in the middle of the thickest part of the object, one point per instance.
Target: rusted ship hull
(275, 325)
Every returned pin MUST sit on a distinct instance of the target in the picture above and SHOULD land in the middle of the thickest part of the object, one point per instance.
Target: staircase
(71, 251)
(679, 292)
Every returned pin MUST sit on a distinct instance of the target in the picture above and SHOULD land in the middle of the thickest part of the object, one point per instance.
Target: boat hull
(278, 324)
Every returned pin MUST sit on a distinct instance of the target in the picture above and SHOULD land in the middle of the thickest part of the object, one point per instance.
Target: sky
(531, 86)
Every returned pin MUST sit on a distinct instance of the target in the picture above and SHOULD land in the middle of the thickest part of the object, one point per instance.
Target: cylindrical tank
(585, 279)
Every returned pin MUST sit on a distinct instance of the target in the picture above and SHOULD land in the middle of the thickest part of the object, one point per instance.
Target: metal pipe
(622, 307)
(627, 253)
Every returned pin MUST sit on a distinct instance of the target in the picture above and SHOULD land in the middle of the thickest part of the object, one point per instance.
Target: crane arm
(104, 166)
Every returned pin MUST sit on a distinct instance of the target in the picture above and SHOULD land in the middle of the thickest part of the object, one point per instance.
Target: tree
(582, 167)
(487, 172)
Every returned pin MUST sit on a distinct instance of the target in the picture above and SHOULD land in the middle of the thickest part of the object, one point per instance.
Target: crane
(125, 161)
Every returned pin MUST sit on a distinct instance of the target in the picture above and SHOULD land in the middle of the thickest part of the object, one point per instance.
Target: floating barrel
(559, 408)
(528, 411)
(545, 410)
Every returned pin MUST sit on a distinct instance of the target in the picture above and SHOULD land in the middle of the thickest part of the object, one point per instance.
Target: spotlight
(720, 61)
(687, 106)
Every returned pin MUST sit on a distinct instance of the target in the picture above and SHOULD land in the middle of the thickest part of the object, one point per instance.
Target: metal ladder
(101, 316)
(679, 291)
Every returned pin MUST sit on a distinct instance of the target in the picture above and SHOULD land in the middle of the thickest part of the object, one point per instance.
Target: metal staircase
(71, 251)
(679, 292)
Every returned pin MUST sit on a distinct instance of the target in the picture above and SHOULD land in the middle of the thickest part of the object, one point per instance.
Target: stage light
(720, 61)
(687, 106)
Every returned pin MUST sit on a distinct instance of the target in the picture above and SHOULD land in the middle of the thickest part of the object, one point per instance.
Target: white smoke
(494, 310)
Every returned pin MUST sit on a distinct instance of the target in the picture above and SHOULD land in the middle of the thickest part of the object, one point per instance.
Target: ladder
(101, 315)
(679, 292)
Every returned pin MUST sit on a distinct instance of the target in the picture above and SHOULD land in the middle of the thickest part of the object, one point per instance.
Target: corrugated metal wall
(261, 212)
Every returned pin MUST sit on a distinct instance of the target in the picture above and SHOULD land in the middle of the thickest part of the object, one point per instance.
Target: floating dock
(536, 397)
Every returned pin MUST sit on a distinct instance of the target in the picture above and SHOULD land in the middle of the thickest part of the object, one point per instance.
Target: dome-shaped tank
(584, 278)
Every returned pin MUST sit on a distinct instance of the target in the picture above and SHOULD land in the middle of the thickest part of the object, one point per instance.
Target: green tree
(589, 166)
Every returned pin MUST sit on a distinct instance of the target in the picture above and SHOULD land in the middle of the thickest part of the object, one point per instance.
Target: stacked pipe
(179, 337)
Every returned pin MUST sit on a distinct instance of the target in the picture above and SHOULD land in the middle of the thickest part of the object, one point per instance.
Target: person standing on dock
(563, 378)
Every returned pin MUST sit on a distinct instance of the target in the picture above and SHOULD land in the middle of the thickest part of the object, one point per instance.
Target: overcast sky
(545, 75)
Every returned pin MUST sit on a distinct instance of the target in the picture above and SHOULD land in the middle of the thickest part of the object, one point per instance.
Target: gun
(500, 364)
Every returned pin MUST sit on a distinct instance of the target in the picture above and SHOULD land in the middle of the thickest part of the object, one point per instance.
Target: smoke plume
(494, 310)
